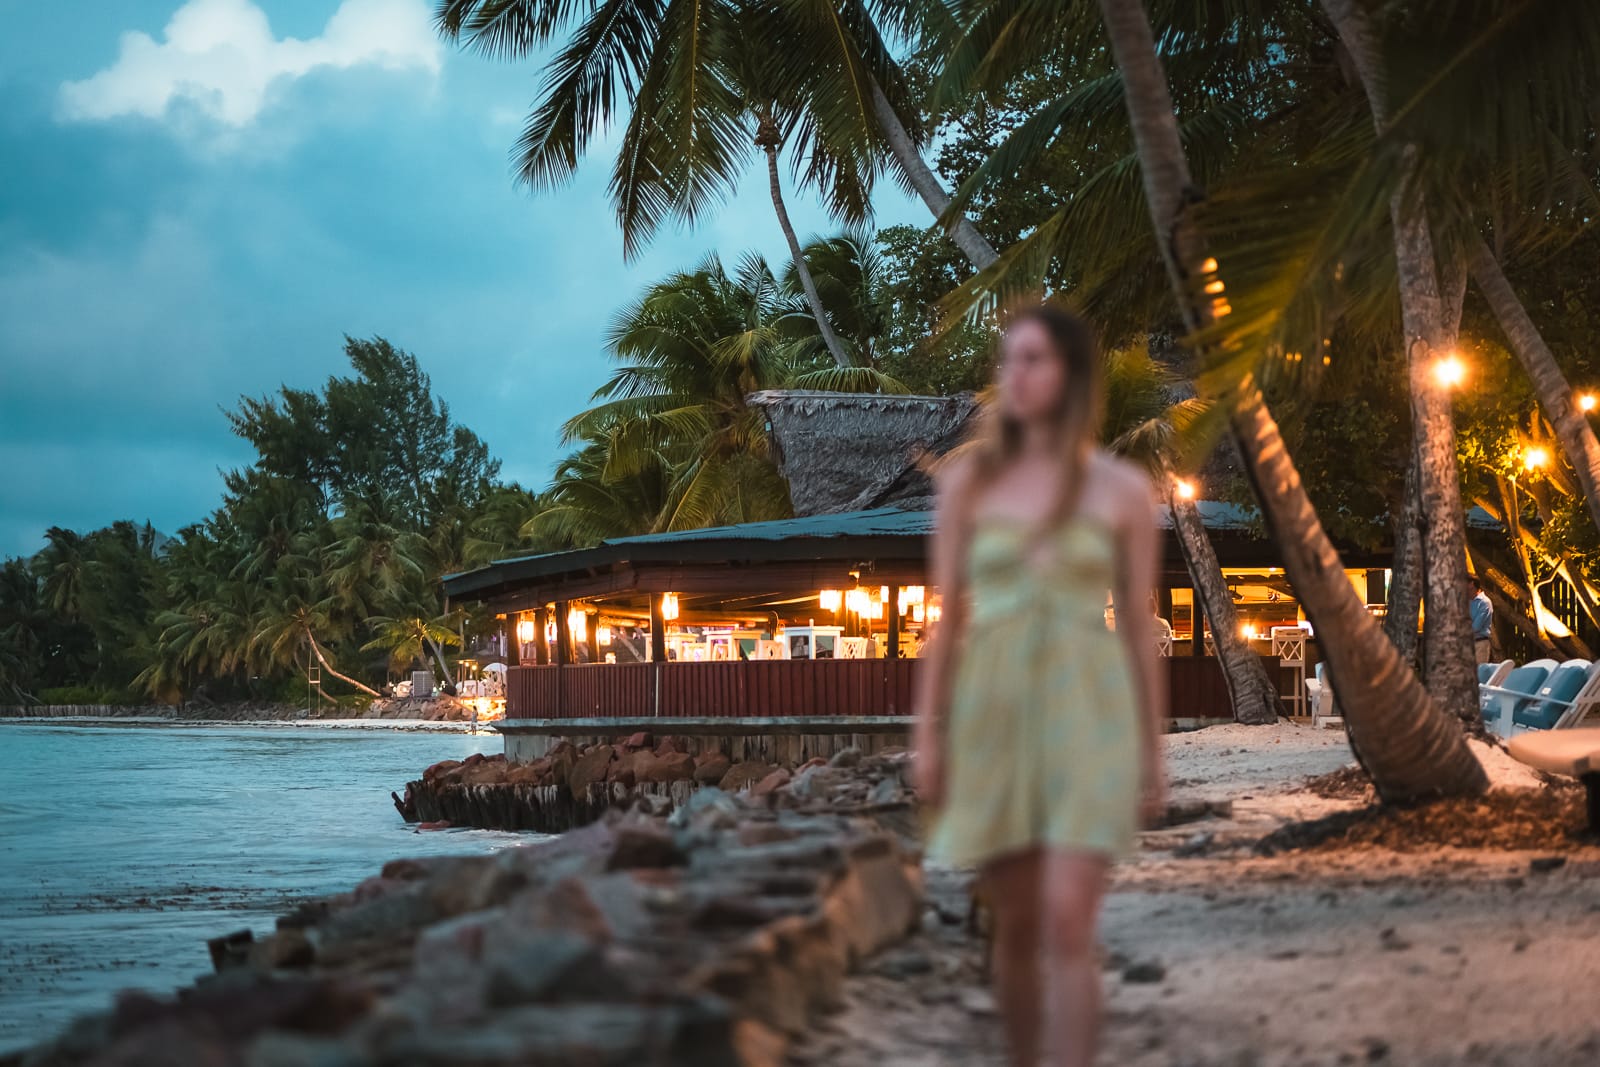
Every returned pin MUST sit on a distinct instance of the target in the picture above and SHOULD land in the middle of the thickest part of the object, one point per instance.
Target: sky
(200, 198)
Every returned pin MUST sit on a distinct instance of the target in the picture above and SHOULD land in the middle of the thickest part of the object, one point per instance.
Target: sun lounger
(1495, 673)
(1573, 753)
(1499, 703)
(1563, 702)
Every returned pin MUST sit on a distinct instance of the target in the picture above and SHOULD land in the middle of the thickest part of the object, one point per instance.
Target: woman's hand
(928, 770)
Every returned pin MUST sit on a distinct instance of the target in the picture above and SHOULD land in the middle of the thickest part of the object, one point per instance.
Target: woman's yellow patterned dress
(1043, 736)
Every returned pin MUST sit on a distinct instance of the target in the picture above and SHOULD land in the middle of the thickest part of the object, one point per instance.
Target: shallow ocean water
(123, 848)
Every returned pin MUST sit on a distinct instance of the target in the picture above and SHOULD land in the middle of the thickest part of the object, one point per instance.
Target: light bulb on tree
(1587, 402)
(1535, 457)
(1184, 488)
(1449, 371)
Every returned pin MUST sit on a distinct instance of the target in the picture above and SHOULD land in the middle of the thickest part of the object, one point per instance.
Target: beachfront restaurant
(820, 615)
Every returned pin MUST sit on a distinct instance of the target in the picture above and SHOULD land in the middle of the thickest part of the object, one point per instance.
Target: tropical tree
(413, 638)
(1409, 745)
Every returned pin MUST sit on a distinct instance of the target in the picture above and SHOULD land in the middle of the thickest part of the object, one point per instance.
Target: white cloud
(220, 58)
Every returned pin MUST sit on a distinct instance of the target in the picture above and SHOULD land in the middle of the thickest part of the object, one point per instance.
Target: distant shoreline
(389, 725)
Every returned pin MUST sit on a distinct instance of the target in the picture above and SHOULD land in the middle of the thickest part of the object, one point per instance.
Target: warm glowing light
(1550, 622)
(1587, 402)
(550, 632)
(830, 599)
(883, 594)
(914, 594)
(602, 634)
(857, 601)
(1185, 489)
(934, 613)
(1535, 457)
(1215, 287)
(918, 613)
(669, 606)
(526, 631)
(1208, 266)
(1220, 307)
(1247, 631)
(875, 610)
(1449, 371)
(577, 624)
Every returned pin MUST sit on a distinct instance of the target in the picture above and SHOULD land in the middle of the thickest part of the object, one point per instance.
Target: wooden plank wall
(790, 687)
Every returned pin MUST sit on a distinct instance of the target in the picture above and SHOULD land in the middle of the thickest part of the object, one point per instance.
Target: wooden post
(513, 640)
(893, 610)
(1197, 613)
(1376, 593)
(541, 642)
(658, 630)
(563, 635)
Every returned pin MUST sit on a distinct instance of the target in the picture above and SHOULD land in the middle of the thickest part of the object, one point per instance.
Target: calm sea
(122, 849)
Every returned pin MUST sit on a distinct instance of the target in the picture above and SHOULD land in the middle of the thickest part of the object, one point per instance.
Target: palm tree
(1430, 331)
(671, 428)
(701, 85)
(64, 566)
(833, 60)
(413, 638)
(1550, 385)
(1145, 423)
(1409, 746)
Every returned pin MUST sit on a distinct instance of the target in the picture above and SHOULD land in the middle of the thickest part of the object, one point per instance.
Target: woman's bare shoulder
(955, 474)
(1126, 482)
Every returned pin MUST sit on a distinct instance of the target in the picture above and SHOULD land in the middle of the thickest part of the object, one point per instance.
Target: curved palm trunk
(979, 252)
(1551, 387)
(1255, 698)
(767, 141)
(1409, 747)
(316, 650)
(438, 655)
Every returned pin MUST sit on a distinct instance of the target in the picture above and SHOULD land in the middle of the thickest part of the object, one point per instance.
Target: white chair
(1164, 644)
(1319, 695)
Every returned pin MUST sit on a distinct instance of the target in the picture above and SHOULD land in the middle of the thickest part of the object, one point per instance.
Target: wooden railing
(846, 687)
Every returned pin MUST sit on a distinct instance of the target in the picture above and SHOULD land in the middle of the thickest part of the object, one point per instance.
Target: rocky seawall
(711, 937)
(572, 785)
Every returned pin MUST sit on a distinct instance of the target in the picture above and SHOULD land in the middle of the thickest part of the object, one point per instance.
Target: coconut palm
(1146, 422)
(1409, 745)
(412, 638)
(832, 60)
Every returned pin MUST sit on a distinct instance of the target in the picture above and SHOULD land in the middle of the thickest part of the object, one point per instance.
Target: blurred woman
(1037, 727)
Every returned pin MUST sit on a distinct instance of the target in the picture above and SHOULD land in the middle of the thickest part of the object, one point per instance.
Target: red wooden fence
(789, 687)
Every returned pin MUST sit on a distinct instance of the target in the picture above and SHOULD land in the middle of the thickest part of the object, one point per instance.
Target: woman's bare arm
(1139, 555)
(947, 566)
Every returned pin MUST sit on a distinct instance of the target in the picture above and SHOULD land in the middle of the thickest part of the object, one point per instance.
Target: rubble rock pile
(710, 937)
(571, 786)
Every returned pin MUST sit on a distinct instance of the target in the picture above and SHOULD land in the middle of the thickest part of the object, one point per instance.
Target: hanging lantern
(577, 624)
(918, 613)
(669, 606)
(526, 631)
(934, 613)
(602, 634)
(830, 599)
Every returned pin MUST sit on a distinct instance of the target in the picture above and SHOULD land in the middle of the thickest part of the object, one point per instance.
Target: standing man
(1482, 621)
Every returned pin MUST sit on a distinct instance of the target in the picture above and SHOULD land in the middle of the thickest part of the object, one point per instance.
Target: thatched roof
(856, 451)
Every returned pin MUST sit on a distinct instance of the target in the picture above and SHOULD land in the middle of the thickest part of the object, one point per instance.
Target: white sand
(1428, 959)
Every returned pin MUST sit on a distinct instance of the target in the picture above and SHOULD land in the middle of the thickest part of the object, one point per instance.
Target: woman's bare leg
(1012, 886)
(1074, 883)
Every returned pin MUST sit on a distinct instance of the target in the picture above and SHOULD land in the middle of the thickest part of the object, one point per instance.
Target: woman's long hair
(997, 439)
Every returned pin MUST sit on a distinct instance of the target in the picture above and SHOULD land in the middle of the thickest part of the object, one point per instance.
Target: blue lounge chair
(1499, 703)
(1563, 701)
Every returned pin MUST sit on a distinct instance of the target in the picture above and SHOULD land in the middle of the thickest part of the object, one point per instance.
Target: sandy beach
(1225, 958)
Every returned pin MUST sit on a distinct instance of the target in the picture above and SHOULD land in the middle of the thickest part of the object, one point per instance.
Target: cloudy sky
(199, 199)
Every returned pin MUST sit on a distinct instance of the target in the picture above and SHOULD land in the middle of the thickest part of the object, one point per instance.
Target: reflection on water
(122, 849)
